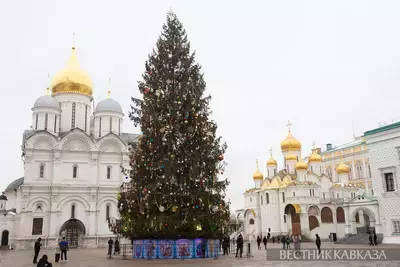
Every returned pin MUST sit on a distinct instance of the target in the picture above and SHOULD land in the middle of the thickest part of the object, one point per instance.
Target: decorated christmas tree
(173, 189)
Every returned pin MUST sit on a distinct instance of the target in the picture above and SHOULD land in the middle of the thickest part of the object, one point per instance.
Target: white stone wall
(384, 157)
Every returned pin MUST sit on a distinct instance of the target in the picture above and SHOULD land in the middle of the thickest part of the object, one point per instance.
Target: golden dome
(290, 143)
(258, 176)
(271, 162)
(343, 168)
(275, 183)
(72, 79)
(301, 165)
(315, 157)
(265, 184)
(291, 157)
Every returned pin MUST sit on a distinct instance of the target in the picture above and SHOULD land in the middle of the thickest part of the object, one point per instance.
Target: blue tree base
(176, 249)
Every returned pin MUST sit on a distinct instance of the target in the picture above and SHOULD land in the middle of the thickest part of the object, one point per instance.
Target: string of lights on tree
(173, 188)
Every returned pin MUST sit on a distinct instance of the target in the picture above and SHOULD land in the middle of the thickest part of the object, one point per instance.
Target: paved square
(98, 258)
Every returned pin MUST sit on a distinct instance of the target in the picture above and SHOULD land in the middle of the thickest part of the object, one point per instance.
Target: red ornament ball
(146, 90)
(221, 157)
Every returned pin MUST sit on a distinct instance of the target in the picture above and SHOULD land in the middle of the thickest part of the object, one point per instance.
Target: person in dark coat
(225, 244)
(259, 242)
(239, 246)
(273, 240)
(283, 239)
(375, 239)
(370, 239)
(110, 245)
(116, 247)
(37, 249)
(229, 245)
(318, 243)
(43, 262)
(204, 247)
(265, 241)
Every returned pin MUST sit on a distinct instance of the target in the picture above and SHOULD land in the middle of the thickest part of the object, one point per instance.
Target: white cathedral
(301, 199)
(72, 167)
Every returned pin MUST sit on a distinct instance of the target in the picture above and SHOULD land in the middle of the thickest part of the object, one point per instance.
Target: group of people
(116, 247)
(60, 250)
(264, 240)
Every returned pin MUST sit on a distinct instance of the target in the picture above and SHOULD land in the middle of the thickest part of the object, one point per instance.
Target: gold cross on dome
(109, 88)
(313, 145)
(257, 164)
(289, 124)
(270, 151)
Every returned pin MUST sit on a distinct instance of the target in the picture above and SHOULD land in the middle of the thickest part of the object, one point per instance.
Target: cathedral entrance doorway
(4, 238)
(294, 218)
(73, 230)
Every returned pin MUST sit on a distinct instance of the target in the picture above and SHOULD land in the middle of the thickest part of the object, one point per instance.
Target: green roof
(383, 128)
(15, 184)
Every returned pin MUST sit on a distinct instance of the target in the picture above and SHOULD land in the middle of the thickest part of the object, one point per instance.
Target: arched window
(36, 121)
(251, 221)
(359, 168)
(73, 211)
(108, 172)
(75, 171)
(107, 212)
(329, 171)
(73, 116)
(46, 119)
(41, 171)
(326, 215)
(340, 215)
(267, 198)
(369, 170)
(100, 127)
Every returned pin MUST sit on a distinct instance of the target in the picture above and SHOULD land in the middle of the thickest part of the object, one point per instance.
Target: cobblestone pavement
(98, 258)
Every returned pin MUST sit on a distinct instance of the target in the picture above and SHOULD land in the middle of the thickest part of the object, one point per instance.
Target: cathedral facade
(72, 158)
(303, 199)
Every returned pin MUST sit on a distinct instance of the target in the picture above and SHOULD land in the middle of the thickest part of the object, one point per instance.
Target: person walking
(259, 242)
(283, 242)
(288, 241)
(43, 262)
(273, 240)
(375, 239)
(110, 245)
(225, 244)
(57, 251)
(370, 239)
(265, 241)
(63, 249)
(36, 248)
(318, 243)
(116, 247)
(296, 242)
(239, 246)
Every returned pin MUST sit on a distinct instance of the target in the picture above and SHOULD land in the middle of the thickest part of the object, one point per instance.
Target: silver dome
(108, 104)
(46, 101)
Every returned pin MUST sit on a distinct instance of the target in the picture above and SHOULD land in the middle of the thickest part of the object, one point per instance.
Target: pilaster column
(305, 225)
(347, 226)
(365, 169)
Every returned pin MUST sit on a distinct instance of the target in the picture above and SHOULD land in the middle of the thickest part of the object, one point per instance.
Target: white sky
(320, 64)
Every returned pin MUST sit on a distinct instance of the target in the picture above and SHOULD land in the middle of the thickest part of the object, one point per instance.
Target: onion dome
(315, 157)
(291, 157)
(301, 165)
(46, 101)
(290, 143)
(72, 79)
(108, 105)
(271, 162)
(343, 168)
(258, 175)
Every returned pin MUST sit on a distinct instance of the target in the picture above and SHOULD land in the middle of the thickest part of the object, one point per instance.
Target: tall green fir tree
(173, 189)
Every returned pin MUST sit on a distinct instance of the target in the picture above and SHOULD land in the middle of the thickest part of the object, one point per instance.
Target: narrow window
(251, 221)
(283, 197)
(119, 127)
(294, 194)
(108, 212)
(310, 193)
(108, 172)
(37, 226)
(74, 171)
(73, 212)
(36, 121)
(389, 182)
(284, 218)
(46, 118)
(251, 200)
(357, 218)
(73, 116)
(396, 226)
(41, 171)
(100, 127)
(323, 195)
(337, 195)
(262, 200)
(267, 198)
(110, 124)
(55, 123)
(86, 107)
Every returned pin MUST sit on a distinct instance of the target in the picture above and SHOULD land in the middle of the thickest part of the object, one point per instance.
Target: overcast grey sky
(320, 64)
